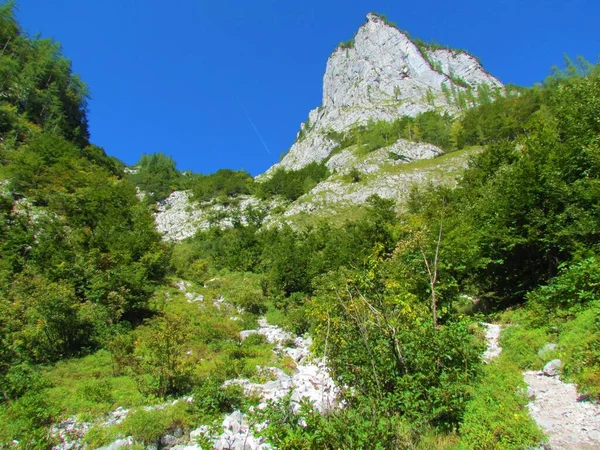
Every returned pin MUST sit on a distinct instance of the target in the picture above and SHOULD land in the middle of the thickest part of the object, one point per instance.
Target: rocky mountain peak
(381, 74)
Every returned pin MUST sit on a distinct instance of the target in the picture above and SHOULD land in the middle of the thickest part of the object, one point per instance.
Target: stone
(119, 443)
(552, 369)
(168, 440)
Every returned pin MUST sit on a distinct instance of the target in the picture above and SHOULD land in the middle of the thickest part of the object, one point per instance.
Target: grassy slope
(443, 169)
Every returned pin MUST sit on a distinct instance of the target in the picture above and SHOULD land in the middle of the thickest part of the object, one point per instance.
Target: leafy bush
(157, 175)
(431, 127)
(148, 426)
(355, 175)
(579, 346)
(161, 358)
(252, 302)
(223, 184)
(521, 344)
(380, 339)
(27, 420)
(211, 400)
(497, 417)
(292, 184)
(363, 427)
(575, 287)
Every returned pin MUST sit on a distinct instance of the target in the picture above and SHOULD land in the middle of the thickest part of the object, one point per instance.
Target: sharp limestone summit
(382, 75)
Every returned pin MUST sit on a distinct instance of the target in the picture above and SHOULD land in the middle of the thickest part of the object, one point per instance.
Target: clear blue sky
(184, 77)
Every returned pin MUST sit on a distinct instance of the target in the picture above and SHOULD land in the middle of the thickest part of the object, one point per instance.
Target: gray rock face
(383, 76)
(464, 66)
(178, 217)
(311, 381)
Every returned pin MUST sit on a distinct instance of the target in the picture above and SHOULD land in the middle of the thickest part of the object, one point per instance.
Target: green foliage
(294, 183)
(211, 400)
(149, 426)
(81, 267)
(497, 416)
(530, 202)
(27, 420)
(521, 345)
(145, 426)
(79, 256)
(579, 346)
(40, 91)
(160, 356)
(187, 262)
(575, 287)
(380, 339)
(346, 44)
(221, 185)
(157, 175)
(431, 127)
(357, 428)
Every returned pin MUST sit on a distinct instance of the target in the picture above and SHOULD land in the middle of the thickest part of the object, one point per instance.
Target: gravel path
(492, 334)
(569, 422)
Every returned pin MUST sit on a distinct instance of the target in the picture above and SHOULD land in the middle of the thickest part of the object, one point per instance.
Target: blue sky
(195, 79)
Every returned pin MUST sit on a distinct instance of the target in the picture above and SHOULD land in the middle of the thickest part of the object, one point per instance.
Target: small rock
(552, 369)
(119, 443)
(168, 440)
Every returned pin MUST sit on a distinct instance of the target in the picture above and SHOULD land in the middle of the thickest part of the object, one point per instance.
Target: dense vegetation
(93, 316)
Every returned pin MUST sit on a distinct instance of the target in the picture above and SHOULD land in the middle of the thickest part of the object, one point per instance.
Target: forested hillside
(99, 315)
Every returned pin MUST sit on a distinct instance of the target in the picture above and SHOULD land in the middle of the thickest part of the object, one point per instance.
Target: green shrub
(521, 346)
(149, 426)
(355, 175)
(97, 391)
(353, 427)
(223, 184)
(157, 175)
(255, 339)
(99, 436)
(346, 44)
(252, 302)
(579, 346)
(496, 417)
(294, 183)
(27, 420)
(568, 293)
(160, 358)
(211, 399)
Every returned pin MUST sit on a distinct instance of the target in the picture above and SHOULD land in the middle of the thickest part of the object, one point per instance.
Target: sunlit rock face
(382, 75)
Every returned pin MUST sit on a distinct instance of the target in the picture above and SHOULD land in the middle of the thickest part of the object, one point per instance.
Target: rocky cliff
(382, 75)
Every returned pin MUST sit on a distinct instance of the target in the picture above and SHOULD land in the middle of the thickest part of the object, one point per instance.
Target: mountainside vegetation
(95, 315)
